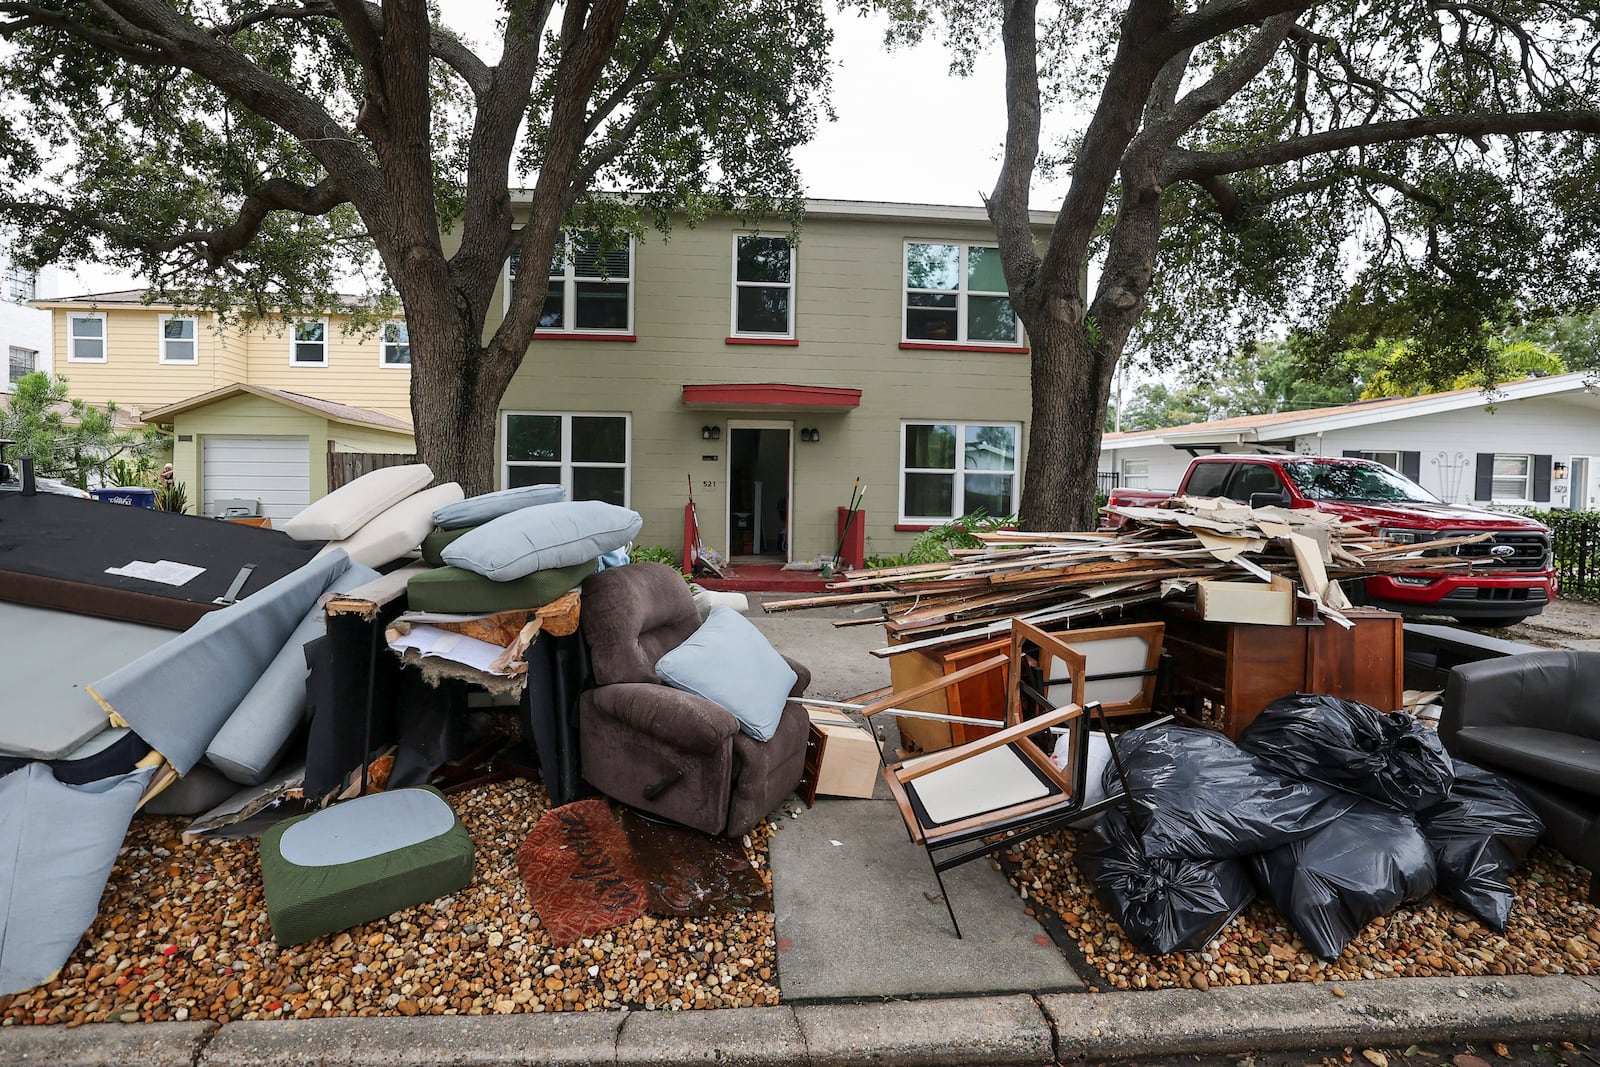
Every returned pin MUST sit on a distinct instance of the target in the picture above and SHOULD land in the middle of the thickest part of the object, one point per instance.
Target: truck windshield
(1369, 482)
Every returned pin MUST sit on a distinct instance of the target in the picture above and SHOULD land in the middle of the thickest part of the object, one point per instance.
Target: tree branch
(214, 245)
(1008, 203)
(1218, 17)
(1219, 88)
(1182, 163)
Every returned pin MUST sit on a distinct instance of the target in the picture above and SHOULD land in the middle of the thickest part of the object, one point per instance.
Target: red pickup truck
(1511, 577)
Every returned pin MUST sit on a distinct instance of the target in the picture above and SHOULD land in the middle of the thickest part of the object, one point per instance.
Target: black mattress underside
(54, 551)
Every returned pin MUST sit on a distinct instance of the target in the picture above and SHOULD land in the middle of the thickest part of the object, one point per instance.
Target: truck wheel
(1491, 622)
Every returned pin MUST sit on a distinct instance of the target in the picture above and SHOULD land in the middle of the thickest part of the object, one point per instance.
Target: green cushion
(435, 543)
(401, 860)
(451, 589)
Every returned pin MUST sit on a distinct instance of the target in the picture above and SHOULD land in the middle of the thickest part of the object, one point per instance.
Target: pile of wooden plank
(1061, 578)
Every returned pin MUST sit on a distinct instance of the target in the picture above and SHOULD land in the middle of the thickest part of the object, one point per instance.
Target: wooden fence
(348, 466)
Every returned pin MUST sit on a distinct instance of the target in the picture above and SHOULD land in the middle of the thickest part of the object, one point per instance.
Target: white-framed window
(763, 286)
(956, 294)
(1136, 474)
(23, 361)
(587, 453)
(179, 339)
(950, 469)
(21, 285)
(591, 291)
(1513, 478)
(1388, 459)
(308, 343)
(394, 345)
(86, 337)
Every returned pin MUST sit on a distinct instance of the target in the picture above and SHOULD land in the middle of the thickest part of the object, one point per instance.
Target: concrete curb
(1018, 1029)
(1281, 1018)
(104, 1044)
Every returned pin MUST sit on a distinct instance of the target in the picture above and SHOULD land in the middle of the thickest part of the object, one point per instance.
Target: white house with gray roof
(1532, 442)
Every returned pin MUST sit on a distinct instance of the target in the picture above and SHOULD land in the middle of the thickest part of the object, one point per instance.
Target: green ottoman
(361, 860)
(453, 590)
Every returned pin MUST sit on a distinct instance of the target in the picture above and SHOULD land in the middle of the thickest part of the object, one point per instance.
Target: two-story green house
(881, 345)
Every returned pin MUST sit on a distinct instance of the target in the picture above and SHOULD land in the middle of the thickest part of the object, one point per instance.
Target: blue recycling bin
(136, 495)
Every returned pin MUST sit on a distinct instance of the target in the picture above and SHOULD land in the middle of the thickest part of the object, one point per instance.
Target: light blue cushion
(730, 662)
(477, 510)
(542, 538)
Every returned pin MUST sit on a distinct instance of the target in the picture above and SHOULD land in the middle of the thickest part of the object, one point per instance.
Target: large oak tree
(1356, 168)
(251, 155)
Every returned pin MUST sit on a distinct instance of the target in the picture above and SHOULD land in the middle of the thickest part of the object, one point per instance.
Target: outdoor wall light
(1560, 469)
(711, 433)
(808, 434)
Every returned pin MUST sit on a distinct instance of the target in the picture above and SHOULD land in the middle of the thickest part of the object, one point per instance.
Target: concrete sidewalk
(1021, 1029)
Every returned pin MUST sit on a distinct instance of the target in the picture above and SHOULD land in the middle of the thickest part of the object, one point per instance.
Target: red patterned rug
(580, 872)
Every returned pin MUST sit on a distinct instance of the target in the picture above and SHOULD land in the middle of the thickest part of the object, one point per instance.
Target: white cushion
(542, 538)
(353, 505)
(398, 530)
(991, 780)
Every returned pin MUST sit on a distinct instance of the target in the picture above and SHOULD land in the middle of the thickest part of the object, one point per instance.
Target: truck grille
(1529, 551)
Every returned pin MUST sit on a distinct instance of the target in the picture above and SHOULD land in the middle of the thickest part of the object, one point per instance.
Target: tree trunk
(455, 427)
(455, 396)
(1071, 381)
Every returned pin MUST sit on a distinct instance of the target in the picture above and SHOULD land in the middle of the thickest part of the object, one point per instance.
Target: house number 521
(706, 484)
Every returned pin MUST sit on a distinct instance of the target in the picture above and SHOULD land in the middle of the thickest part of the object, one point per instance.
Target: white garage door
(273, 470)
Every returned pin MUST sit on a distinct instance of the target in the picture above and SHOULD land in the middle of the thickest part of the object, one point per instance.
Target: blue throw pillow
(477, 510)
(730, 662)
(542, 538)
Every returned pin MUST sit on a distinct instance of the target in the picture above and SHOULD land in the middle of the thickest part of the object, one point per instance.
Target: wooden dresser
(1224, 674)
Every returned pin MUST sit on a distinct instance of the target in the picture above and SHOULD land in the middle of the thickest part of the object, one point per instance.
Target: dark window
(1253, 478)
(1207, 479)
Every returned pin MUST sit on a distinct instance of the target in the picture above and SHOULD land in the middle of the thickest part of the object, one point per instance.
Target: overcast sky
(908, 130)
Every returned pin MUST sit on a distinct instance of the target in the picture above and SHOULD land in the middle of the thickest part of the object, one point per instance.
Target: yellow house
(270, 447)
(115, 348)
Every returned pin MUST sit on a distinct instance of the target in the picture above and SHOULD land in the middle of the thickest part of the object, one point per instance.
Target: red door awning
(772, 395)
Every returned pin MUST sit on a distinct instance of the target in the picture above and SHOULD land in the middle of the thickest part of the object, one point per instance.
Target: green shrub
(933, 546)
(173, 497)
(657, 554)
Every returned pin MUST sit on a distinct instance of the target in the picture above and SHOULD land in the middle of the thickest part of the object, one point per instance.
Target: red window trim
(914, 527)
(786, 342)
(1013, 350)
(560, 335)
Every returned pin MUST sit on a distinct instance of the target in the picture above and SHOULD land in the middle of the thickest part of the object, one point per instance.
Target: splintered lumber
(1159, 551)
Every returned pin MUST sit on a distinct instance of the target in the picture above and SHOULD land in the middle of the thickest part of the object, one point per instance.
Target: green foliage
(1254, 380)
(656, 554)
(140, 471)
(173, 496)
(933, 546)
(69, 439)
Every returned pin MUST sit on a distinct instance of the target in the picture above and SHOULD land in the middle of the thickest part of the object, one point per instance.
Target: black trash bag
(1362, 865)
(1201, 797)
(1388, 757)
(1163, 905)
(1479, 834)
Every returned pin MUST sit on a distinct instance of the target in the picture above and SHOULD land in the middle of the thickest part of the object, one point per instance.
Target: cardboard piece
(1251, 602)
(850, 761)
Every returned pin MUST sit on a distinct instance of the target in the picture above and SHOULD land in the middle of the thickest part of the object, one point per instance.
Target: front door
(1584, 476)
(758, 490)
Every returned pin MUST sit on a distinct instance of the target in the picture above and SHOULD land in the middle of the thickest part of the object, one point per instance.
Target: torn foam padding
(179, 696)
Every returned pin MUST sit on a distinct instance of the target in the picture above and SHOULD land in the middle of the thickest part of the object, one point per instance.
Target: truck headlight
(1403, 537)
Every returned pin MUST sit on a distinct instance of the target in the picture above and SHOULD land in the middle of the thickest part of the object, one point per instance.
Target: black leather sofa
(1536, 719)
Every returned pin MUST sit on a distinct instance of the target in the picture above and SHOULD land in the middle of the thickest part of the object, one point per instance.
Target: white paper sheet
(457, 648)
(166, 572)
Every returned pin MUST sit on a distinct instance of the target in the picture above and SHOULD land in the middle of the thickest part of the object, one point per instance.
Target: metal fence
(1576, 536)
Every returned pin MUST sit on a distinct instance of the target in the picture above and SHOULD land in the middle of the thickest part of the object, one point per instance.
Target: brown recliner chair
(662, 750)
